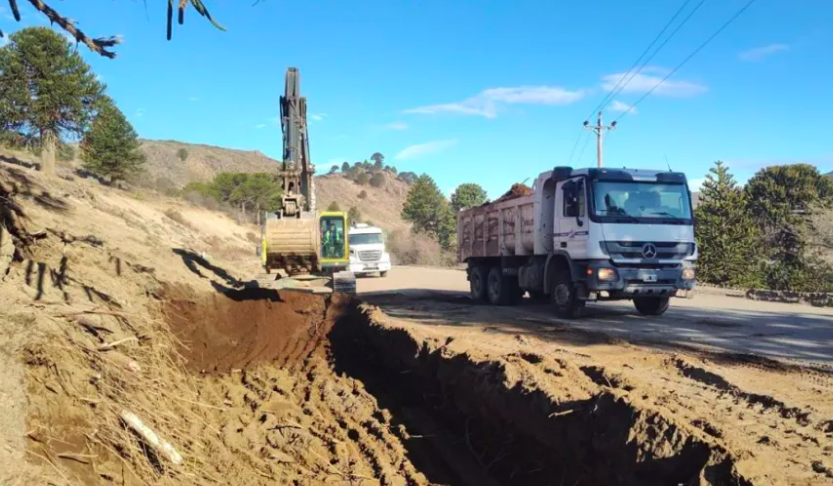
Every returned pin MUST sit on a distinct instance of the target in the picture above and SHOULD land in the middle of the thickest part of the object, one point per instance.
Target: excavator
(302, 249)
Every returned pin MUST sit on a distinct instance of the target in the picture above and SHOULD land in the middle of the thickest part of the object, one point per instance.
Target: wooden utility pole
(598, 128)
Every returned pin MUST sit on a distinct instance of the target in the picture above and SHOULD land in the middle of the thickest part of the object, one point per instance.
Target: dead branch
(150, 437)
(114, 344)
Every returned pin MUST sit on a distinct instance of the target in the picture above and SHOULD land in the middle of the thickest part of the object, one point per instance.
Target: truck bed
(505, 228)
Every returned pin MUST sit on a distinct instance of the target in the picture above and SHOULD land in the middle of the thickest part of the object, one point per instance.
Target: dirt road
(737, 325)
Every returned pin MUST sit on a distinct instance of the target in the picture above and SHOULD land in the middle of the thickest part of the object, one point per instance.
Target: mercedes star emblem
(649, 250)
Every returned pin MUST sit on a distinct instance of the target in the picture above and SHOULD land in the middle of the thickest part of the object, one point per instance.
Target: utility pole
(598, 128)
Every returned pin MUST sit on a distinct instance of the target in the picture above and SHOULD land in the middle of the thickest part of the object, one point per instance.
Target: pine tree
(110, 149)
(728, 240)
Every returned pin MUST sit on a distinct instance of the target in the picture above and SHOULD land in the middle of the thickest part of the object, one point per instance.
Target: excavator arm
(297, 171)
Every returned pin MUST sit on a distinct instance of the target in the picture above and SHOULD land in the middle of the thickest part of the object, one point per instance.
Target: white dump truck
(367, 250)
(584, 235)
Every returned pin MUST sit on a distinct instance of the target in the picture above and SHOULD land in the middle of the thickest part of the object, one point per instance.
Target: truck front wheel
(567, 304)
(477, 283)
(651, 306)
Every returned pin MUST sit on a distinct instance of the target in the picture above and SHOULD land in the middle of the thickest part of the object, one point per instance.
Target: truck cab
(367, 250)
(585, 235)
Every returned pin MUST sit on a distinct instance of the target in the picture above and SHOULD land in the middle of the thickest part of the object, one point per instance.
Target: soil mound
(237, 329)
(516, 191)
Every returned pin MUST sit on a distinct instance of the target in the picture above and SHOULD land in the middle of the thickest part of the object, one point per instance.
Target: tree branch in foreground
(103, 45)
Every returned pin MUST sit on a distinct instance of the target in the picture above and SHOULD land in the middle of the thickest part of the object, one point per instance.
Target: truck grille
(370, 255)
(633, 250)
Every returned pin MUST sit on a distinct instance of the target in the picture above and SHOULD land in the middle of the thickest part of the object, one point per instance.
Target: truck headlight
(607, 274)
(688, 273)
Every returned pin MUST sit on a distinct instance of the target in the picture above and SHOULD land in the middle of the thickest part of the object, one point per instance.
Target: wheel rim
(562, 295)
(477, 284)
(494, 287)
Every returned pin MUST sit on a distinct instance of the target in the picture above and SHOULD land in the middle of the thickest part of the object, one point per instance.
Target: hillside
(165, 170)
(202, 164)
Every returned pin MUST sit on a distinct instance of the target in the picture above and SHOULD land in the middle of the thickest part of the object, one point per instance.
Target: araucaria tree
(783, 200)
(728, 239)
(46, 90)
(110, 149)
(429, 211)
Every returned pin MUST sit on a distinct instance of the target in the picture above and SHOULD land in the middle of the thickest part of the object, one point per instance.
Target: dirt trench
(317, 390)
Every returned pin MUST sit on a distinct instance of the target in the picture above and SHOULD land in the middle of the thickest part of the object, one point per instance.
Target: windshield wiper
(664, 213)
(619, 213)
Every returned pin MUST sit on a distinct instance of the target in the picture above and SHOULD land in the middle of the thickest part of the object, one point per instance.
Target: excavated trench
(434, 416)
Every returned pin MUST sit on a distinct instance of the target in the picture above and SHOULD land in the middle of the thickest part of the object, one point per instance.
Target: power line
(610, 95)
(586, 142)
(685, 20)
(704, 44)
(572, 152)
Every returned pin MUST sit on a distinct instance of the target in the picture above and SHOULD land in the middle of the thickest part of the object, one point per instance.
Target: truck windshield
(365, 238)
(641, 200)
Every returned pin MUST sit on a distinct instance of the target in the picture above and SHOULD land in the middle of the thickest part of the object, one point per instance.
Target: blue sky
(482, 91)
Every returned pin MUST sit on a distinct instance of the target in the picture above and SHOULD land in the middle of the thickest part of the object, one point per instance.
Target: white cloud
(642, 83)
(318, 116)
(193, 98)
(4, 41)
(260, 125)
(140, 112)
(423, 149)
(487, 102)
(622, 107)
(397, 126)
(758, 53)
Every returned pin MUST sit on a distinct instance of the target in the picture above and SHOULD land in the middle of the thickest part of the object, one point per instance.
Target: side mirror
(579, 221)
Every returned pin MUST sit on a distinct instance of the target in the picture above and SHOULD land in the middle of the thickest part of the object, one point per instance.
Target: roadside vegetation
(774, 233)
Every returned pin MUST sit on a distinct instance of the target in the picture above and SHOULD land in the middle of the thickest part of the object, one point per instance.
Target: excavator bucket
(291, 245)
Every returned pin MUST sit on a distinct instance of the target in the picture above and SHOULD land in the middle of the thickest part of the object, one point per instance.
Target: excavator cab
(334, 251)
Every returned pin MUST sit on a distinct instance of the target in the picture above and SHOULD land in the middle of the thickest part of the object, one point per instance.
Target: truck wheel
(500, 289)
(477, 283)
(383, 274)
(567, 304)
(651, 306)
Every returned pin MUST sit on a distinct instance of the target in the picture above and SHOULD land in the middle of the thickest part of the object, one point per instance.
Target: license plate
(370, 267)
(650, 277)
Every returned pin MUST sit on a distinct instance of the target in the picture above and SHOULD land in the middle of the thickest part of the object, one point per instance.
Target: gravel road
(731, 324)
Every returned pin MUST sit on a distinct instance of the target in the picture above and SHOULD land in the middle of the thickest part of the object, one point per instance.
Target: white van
(367, 250)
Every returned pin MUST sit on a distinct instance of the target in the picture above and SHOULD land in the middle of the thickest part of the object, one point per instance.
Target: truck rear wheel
(564, 296)
(502, 290)
(477, 283)
(651, 306)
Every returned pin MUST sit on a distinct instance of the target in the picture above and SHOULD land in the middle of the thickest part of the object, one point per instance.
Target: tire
(501, 290)
(651, 306)
(564, 298)
(477, 283)
(383, 274)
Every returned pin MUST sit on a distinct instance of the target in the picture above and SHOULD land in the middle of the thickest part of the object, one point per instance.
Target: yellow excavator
(302, 249)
